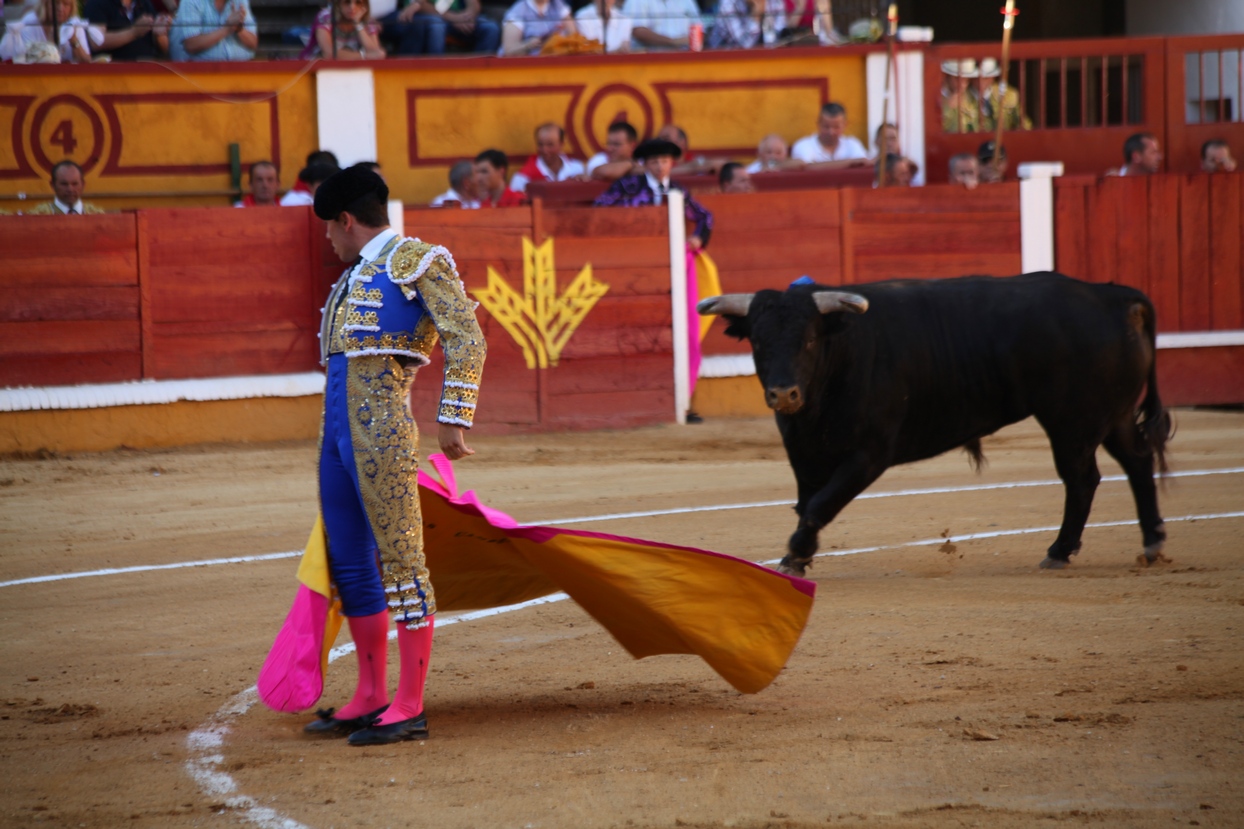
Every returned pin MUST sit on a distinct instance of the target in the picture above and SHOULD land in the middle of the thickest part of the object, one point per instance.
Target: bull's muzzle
(786, 399)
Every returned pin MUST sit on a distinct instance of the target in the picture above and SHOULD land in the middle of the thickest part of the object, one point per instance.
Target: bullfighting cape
(742, 619)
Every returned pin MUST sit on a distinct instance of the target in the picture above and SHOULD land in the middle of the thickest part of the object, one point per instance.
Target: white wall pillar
(909, 84)
(397, 216)
(678, 305)
(1036, 214)
(346, 113)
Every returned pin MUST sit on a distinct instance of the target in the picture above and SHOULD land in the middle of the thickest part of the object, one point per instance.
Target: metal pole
(1008, 22)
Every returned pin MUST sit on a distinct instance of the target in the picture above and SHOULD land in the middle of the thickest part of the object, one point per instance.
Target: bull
(898, 371)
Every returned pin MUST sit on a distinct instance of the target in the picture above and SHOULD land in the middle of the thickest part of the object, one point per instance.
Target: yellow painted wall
(430, 114)
(151, 128)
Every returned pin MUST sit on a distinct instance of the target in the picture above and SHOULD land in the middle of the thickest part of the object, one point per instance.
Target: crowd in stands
(225, 30)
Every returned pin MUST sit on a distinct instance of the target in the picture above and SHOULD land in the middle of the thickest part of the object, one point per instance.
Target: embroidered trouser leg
(369, 489)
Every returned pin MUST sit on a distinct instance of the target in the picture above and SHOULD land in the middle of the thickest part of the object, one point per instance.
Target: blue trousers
(425, 34)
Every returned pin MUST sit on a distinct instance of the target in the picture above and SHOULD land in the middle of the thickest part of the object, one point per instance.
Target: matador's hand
(453, 441)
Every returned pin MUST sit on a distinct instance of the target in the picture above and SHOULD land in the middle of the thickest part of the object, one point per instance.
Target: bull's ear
(737, 326)
(830, 302)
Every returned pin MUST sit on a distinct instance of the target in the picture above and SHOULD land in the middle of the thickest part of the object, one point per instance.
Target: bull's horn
(829, 302)
(733, 304)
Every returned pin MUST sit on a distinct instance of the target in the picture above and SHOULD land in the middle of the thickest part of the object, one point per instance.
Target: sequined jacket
(402, 303)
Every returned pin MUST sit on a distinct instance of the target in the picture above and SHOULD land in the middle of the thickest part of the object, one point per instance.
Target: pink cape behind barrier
(744, 620)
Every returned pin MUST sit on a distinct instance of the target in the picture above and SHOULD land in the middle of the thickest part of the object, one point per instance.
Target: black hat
(340, 190)
(986, 150)
(656, 146)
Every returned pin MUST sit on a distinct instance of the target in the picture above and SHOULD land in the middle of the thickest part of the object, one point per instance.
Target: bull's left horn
(829, 302)
(733, 304)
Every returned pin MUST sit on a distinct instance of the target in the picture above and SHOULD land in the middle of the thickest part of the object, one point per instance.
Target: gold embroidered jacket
(402, 303)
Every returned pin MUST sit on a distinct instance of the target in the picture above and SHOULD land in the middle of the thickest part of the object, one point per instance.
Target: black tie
(71, 212)
(664, 190)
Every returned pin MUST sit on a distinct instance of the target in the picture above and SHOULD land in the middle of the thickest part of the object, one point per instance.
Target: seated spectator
(491, 168)
(76, 35)
(961, 110)
(357, 37)
(1141, 155)
(549, 163)
(899, 171)
(991, 172)
(461, 192)
(772, 154)
(421, 29)
(1012, 117)
(264, 186)
(310, 177)
(653, 184)
(734, 178)
(692, 163)
(616, 159)
(829, 146)
(529, 23)
(132, 31)
(1216, 157)
(661, 25)
(68, 185)
(600, 21)
(885, 141)
(965, 170)
(742, 24)
(214, 30)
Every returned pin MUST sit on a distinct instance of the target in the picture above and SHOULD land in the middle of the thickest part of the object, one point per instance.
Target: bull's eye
(810, 343)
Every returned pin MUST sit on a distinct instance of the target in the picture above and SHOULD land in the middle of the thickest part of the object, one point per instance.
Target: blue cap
(803, 280)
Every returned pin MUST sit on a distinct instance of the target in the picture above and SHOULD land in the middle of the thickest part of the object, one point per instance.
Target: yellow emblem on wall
(539, 320)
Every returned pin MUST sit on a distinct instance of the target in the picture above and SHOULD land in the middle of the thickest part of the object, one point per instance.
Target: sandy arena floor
(937, 685)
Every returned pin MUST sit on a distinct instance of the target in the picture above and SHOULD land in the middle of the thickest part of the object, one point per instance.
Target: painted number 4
(62, 136)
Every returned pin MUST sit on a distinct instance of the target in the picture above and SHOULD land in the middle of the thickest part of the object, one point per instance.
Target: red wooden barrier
(69, 304)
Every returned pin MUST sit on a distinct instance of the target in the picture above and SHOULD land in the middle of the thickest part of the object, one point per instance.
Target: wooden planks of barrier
(69, 304)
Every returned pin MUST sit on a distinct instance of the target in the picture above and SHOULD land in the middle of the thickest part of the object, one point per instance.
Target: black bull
(900, 371)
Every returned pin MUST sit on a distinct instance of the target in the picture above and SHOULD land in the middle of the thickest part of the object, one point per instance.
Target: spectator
(491, 168)
(899, 171)
(602, 22)
(529, 23)
(651, 186)
(1216, 157)
(965, 170)
(616, 159)
(662, 24)
(76, 35)
(742, 24)
(68, 185)
(357, 36)
(1141, 155)
(461, 192)
(772, 154)
(885, 140)
(961, 111)
(310, 177)
(326, 156)
(991, 173)
(1012, 118)
(214, 30)
(829, 145)
(734, 178)
(420, 29)
(132, 30)
(692, 163)
(264, 185)
(549, 163)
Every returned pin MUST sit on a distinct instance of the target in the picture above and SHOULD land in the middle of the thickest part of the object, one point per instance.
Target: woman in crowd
(356, 35)
(529, 23)
(601, 21)
(76, 35)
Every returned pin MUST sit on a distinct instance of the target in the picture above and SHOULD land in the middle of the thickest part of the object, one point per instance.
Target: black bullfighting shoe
(416, 728)
(328, 725)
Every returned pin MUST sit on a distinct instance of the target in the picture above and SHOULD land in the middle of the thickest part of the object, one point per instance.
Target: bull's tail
(1152, 419)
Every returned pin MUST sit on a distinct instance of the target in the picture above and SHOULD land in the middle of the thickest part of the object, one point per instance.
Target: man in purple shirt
(651, 186)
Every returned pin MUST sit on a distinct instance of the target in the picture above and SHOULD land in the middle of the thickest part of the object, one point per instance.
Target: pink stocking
(415, 647)
(371, 641)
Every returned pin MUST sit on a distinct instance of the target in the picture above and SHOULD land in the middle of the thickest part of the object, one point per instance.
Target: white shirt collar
(656, 184)
(372, 249)
(64, 208)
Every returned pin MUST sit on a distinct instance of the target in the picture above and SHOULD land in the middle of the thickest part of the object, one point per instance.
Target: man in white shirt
(661, 24)
(615, 160)
(830, 144)
(67, 184)
(549, 163)
(461, 192)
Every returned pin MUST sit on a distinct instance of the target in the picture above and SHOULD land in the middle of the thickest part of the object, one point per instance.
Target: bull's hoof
(797, 568)
(1147, 560)
(1051, 563)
